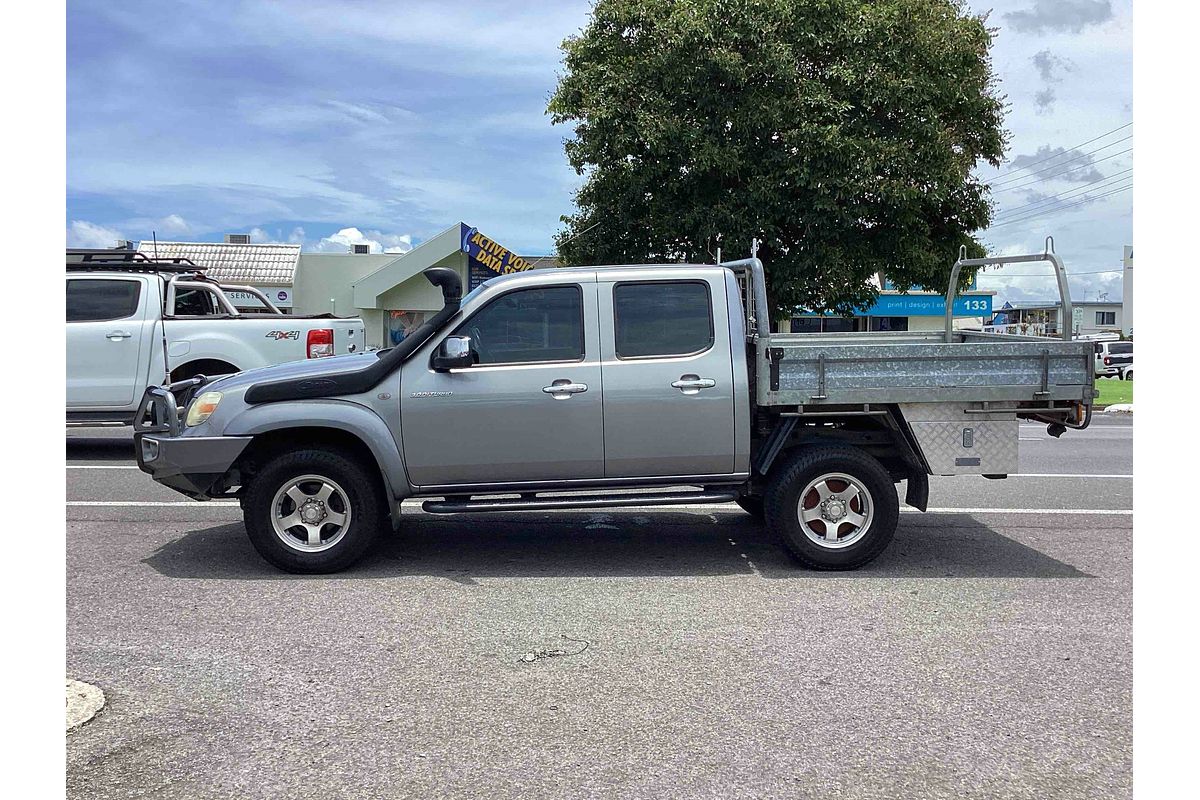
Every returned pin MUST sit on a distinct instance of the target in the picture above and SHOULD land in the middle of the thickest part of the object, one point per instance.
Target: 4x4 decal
(277, 335)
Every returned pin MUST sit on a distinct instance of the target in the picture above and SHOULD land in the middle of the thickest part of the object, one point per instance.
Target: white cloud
(380, 242)
(81, 233)
(261, 236)
(1060, 15)
(175, 225)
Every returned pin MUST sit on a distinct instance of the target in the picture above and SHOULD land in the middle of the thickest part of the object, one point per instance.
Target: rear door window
(668, 318)
(1121, 348)
(98, 300)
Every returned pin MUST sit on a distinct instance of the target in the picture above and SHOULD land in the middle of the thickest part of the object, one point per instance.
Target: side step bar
(582, 501)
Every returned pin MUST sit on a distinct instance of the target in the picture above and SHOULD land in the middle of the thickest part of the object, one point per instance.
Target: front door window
(529, 326)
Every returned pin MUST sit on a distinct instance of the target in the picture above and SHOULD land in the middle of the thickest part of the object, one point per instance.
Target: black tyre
(313, 511)
(753, 505)
(833, 507)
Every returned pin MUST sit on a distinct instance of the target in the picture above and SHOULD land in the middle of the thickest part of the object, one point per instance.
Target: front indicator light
(202, 408)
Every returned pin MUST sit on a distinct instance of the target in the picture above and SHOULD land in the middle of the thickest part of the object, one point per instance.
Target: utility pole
(1127, 292)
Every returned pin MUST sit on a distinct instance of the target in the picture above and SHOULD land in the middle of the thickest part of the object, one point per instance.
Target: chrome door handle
(562, 389)
(692, 384)
(116, 335)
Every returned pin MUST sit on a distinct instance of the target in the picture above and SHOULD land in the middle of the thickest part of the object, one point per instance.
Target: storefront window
(806, 324)
(827, 324)
(402, 323)
(889, 323)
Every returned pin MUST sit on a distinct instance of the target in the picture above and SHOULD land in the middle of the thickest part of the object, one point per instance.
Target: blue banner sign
(928, 305)
(487, 258)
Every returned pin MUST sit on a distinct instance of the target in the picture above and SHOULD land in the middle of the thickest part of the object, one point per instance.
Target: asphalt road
(986, 653)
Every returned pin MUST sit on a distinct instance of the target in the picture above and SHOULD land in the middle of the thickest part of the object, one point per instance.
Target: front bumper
(191, 465)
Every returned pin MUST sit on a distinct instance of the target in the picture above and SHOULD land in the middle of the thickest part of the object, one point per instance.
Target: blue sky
(299, 120)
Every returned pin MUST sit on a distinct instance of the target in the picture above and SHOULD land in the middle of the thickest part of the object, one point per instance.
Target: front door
(668, 377)
(106, 328)
(531, 409)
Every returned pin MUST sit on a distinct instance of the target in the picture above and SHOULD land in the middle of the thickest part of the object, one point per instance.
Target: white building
(386, 290)
(1043, 319)
(270, 268)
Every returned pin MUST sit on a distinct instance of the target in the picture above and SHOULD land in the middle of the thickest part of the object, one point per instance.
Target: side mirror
(453, 353)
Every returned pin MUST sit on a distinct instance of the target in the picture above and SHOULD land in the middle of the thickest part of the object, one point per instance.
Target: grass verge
(1113, 391)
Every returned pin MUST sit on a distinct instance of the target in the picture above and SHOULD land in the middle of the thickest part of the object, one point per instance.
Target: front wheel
(312, 511)
(833, 507)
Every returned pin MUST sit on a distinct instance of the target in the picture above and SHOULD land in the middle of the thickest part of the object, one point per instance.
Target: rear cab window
(1121, 348)
(655, 319)
(102, 299)
(191, 302)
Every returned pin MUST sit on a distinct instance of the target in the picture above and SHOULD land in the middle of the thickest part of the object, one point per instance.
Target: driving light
(202, 408)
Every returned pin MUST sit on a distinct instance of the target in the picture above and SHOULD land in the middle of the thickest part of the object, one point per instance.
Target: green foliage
(842, 133)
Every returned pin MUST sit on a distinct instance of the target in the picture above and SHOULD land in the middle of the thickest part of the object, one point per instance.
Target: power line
(1064, 172)
(1004, 176)
(1066, 195)
(573, 238)
(1053, 167)
(1044, 212)
(1062, 196)
(1079, 202)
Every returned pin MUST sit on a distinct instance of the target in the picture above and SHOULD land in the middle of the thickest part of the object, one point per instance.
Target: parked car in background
(1126, 373)
(1111, 356)
(134, 322)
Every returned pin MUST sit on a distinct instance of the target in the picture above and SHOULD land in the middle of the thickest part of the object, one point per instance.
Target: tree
(841, 133)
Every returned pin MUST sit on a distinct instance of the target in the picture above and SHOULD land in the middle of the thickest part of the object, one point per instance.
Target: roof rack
(85, 260)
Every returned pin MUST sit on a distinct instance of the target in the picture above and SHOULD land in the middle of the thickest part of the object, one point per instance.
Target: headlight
(202, 408)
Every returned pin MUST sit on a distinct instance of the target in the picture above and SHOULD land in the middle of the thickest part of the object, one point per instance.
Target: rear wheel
(312, 511)
(833, 507)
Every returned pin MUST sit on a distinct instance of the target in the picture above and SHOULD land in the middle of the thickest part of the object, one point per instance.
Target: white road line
(1094, 512)
(1052, 475)
(697, 507)
(102, 466)
(153, 503)
(948, 510)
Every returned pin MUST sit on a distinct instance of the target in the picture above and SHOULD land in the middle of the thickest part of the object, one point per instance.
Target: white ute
(135, 322)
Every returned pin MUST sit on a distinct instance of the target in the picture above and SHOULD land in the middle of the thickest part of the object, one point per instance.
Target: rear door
(668, 375)
(109, 323)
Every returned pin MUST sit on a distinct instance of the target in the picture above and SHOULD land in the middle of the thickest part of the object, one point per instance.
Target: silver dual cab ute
(569, 388)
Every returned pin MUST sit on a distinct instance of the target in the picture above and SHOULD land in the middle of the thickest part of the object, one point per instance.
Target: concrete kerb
(83, 702)
(1119, 408)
